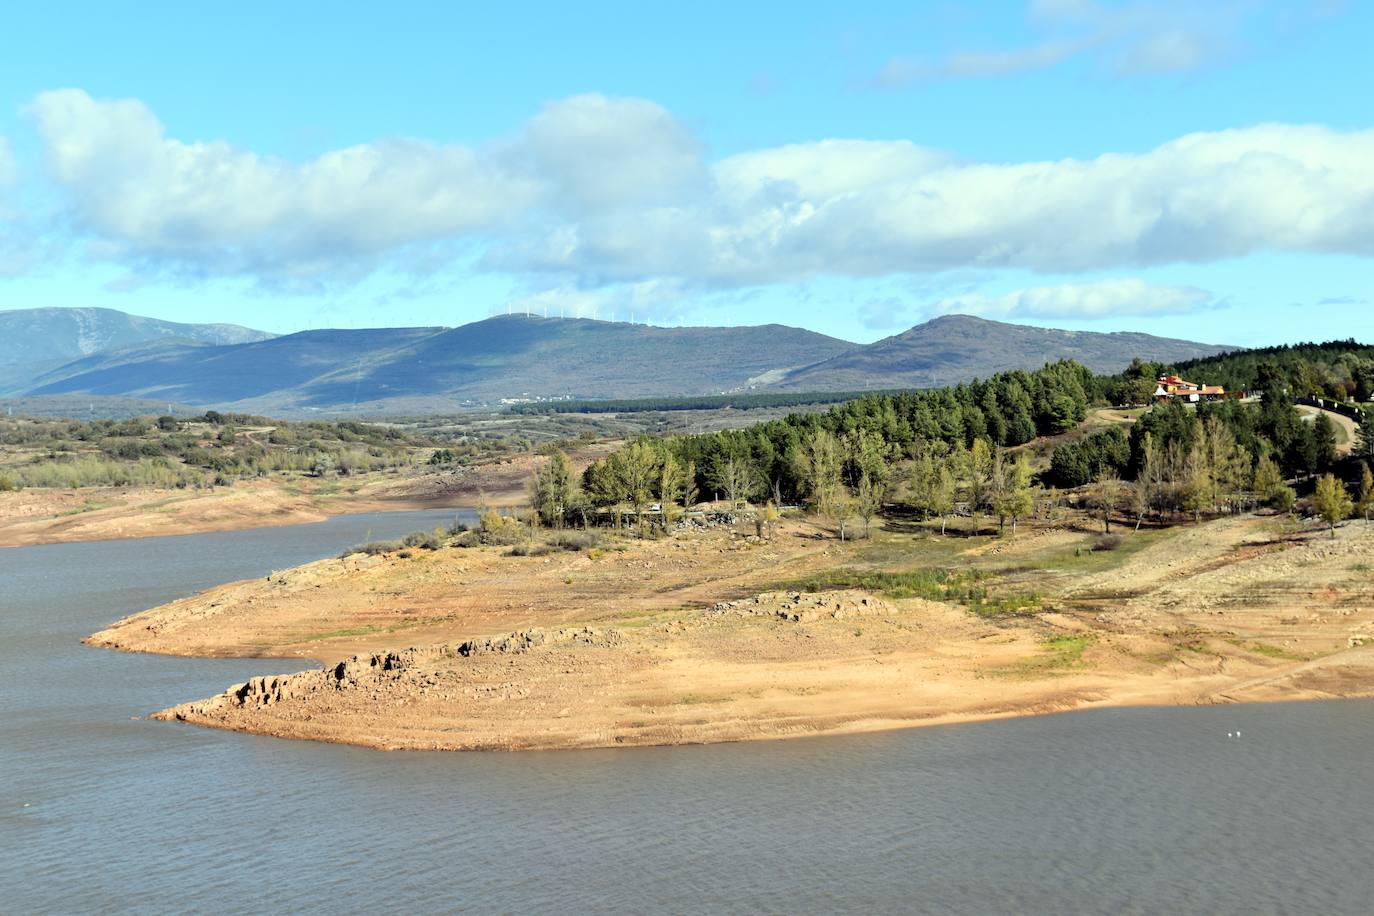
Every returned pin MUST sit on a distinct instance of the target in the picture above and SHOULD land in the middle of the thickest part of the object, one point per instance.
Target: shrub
(931, 584)
(1108, 542)
(526, 549)
(500, 530)
(372, 548)
(8, 482)
(426, 540)
(575, 541)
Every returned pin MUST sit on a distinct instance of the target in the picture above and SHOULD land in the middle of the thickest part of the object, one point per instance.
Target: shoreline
(304, 516)
(33, 517)
(247, 708)
(866, 726)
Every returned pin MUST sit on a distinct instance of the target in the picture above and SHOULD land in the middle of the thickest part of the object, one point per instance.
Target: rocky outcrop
(800, 607)
(414, 667)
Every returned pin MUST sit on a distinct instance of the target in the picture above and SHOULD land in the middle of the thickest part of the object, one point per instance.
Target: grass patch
(1058, 655)
(931, 584)
(1083, 559)
(1066, 651)
(1271, 651)
(366, 630)
(87, 506)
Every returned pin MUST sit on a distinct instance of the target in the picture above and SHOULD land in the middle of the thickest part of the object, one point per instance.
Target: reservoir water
(1108, 811)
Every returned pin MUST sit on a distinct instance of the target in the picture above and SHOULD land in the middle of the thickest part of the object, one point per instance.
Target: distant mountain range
(518, 357)
(36, 341)
(956, 348)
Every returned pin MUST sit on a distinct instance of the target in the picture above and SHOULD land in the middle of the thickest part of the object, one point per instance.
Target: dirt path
(1348, 426)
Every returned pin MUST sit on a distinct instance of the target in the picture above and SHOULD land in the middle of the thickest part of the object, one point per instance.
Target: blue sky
(1193, 170)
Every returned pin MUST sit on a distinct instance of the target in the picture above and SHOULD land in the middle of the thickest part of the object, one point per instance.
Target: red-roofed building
(1172, 386)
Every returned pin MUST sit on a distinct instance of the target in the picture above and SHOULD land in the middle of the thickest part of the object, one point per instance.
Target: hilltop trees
(951, 448)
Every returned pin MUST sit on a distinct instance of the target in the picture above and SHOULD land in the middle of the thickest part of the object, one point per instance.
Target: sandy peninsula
(706, 636)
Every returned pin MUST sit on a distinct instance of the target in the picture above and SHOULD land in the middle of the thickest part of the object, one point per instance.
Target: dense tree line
(843, 462)
(952, 446)
(1341, 370)
(1008, 409)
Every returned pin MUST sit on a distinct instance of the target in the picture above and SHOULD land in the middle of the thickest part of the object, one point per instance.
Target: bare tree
(738, 477)
(1107, 494)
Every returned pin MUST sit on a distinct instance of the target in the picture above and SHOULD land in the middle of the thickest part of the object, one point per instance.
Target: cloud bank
(595, 191)
(1097, 299)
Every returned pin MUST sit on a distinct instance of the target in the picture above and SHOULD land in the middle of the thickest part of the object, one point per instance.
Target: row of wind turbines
(528, 312)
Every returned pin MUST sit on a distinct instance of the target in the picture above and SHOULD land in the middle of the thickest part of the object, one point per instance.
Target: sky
(1203, 171)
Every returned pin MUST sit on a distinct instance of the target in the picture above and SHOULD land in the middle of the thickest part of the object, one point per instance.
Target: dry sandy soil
(698, 637)
(40, 516)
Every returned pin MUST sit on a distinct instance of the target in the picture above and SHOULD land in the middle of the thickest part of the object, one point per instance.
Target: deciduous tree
(1106, 496)
(1331, 501)
(551, 490)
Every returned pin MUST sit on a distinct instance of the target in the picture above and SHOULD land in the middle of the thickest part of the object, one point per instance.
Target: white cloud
(9, 166)
(18, 249)
(650, 300)
(1203, 197)
(224, 209)
(1097, 299)
(1135, 39)
(595, 193)
(601, 153)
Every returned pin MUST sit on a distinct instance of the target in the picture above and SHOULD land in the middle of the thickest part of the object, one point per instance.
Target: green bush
(500, 530)
(931, 584)
(575, 541)
(426, 540)
(372, 548)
